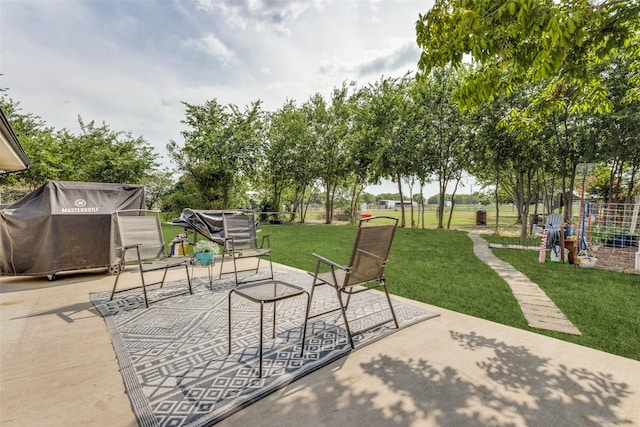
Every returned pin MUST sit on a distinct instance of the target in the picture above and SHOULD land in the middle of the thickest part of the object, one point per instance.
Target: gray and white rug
(173, 355)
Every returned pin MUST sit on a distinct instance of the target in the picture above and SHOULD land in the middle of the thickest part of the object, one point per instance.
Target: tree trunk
(453, 203)
(303, 214)
(333, 195)
(497, 230)
(410, 184)
(422, 203)
(526, 205)
(632, 180)
(442, 186)
(402, 221)
(327, 205)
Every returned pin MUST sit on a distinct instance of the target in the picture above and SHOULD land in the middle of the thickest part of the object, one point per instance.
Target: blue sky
(131, 63)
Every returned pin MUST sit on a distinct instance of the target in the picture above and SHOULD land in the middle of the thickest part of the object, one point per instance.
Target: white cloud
(401, 55)
(240, 14)
(130, 64)
(212, 46)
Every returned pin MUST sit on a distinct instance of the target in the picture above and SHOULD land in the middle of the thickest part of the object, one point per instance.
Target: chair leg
(235, 269)
(271, 265)
(144, 289)
(304, 328)
(113, 291)
(221, 264)
(346, 306)
(393, 313)
(188, 279)
(344, 317)
(164, 276)
(258, 266)
(314, 284)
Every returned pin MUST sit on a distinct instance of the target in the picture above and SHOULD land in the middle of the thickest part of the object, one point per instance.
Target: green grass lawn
(439, 267)
(463, 216)
(604, 305)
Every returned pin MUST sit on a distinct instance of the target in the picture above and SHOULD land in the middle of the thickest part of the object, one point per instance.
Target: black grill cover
(208, 223)
(64, 226)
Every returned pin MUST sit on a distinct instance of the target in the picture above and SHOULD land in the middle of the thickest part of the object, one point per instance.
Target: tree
(221, 151)
(506, 160)
(330, 126)
(512, 43)
(107, 155)
(362, 147)
(386, 108)
(448, 131)
(38, 142)
(157, 186)
(618, 133)
(288, 163)
(552, 48)
(420, 120)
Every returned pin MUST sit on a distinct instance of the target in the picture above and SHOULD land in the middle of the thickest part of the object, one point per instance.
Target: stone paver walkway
(537, 307)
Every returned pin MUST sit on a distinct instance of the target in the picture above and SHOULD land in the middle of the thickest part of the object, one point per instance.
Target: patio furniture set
(143, 249)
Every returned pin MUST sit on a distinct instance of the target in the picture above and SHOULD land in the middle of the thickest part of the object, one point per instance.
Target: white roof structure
(12, 156)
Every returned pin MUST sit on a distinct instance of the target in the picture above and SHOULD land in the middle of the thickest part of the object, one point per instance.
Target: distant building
(395, 204)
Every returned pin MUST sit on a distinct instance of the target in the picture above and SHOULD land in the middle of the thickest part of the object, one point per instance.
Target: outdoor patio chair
(551, 223)
(366, 267)
(241, 241)
(143, 248)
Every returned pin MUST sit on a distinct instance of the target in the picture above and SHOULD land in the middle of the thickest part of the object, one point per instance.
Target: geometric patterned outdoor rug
(173, 355)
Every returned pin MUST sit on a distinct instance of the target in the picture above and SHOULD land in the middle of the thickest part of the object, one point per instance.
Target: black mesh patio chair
(143, 248)
(365, 270)
(241, 241)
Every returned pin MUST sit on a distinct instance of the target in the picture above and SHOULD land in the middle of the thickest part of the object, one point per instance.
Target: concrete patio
(58, 368)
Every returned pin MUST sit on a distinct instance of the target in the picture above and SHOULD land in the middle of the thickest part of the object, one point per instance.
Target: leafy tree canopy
(553, 44)
(97, 154)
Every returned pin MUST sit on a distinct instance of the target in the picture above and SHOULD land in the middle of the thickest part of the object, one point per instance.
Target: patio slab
(58, 367)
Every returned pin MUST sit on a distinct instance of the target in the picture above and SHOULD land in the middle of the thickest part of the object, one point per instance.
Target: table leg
(275, 290)
(260, 349)
(273, 332)
(306, 316)
(229, 322)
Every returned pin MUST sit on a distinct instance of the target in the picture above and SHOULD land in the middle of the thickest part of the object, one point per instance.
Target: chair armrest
(227, 244)
(266, 236)
(329, 262)
(123, 250)
(130, 246)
